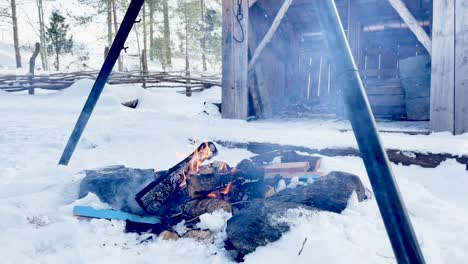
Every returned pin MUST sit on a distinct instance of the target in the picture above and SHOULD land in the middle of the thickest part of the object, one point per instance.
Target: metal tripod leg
(392, 209)
(114, 53)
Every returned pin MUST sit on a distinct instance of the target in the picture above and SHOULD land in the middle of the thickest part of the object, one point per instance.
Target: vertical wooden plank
(461, 66)
(235, 61)
(443, 66)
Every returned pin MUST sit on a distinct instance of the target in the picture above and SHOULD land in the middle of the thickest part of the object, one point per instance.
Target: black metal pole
(393, 211)
(114, 53)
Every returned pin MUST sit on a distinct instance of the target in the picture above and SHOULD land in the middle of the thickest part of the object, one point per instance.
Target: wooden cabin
(276, 62)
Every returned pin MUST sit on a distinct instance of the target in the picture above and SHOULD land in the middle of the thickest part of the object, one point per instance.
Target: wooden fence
(60, 81)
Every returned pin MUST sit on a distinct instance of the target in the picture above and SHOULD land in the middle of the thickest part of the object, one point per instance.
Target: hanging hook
(239, 17)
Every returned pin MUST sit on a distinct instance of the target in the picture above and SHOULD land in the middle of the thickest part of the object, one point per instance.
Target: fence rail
(60, 81)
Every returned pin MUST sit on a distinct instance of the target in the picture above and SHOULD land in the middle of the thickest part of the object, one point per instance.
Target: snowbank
(36, 196)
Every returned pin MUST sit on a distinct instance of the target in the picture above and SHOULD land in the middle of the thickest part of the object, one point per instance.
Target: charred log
(255, 225)
(406, 158)
(328, 193)
(153, 196)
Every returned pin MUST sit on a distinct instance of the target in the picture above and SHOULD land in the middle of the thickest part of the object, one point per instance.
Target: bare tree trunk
(32, 66)
(42, 33)
(116, 28)
(145, 42)
(151, 21)
(203, 31)
(188, 88)
(15, 33)
(109, 23)
(167, 34)
(57, 59)
(138, 46)
(187, 61)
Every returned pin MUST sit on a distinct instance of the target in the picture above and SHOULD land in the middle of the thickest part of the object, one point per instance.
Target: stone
(254, 225)
(117, 186)
(328, 193)
(168, 235)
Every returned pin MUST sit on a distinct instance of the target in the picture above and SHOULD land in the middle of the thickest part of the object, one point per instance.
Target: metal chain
(239, 17)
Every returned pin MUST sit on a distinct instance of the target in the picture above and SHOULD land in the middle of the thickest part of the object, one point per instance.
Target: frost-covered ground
(36, 196)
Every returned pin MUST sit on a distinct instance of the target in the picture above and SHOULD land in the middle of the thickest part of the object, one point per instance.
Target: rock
(117, 186)
(168, 235)
(328, 193)
(253, 226)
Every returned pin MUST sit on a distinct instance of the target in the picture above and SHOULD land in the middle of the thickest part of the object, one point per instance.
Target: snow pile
(37, 197)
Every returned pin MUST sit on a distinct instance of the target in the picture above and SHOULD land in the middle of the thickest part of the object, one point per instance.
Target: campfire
(253, 191)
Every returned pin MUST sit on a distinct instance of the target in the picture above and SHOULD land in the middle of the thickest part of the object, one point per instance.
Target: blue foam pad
(88, 211)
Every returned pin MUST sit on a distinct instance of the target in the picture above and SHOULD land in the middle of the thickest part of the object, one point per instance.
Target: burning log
(153, 196)
(209, 178)
(195, 208)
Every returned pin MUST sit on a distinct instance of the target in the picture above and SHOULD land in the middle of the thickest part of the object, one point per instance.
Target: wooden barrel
(415, 75)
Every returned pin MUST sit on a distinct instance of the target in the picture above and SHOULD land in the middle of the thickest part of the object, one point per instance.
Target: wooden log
(153, 196)
(197, 207)
(252, 2)
(209, 178)
(235, 60)
(269, 35)
(412, 23)
(406, 158)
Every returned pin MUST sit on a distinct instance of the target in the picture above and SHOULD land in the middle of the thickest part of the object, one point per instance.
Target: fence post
(32, 66)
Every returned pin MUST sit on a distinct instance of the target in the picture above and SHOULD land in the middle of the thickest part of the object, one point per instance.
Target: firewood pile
(60, 81)
(253, 191)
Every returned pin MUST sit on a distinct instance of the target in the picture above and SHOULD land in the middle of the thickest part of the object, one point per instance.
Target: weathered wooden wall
(235, 60)
(449, 86)
(295, 68)
(461, 66)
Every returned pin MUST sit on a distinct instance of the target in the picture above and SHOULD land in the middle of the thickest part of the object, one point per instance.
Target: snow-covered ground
(37, 196)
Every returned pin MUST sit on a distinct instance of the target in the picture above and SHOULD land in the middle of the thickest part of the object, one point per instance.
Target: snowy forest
(172, 34)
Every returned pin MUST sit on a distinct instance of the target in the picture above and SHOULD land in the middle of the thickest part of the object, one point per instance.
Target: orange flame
(184, 180)
(226, 190)
(199, 158)
(223, 166)
(212, 195)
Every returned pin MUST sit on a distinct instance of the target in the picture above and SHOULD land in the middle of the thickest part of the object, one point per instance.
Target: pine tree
(57, 37)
